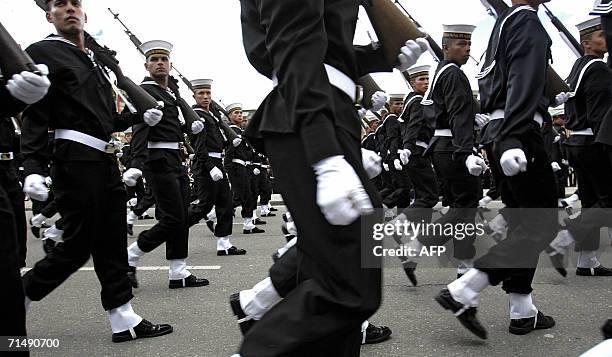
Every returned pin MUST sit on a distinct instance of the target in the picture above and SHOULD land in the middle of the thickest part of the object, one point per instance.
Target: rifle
(188, 112)
(436, 50)
(555, 84)
(567, 37)
(13, 60)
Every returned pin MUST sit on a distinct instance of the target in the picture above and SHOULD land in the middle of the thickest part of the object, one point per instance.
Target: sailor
(87, 185)
(164, 170)
(585, 109)
(236, 166)
(211, 179)
(512, 89)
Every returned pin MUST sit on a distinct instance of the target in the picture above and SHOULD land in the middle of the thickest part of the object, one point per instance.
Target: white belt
(443, 132)
(584, 132)
(499, 114)
(6, 156)
(256, 164)
(85, 139)
(422, 144)
(238, 161)
(217, 155)
(249, 162)
(336, 79)
(265, 166)
(163, 145)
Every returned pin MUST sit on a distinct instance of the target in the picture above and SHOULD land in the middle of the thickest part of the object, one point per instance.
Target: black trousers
(241, 188)
(254, 183)
(423, 179)
(10, 182)
(90, 197)
(213, 194)
(594, 174)
(333, 294)
(532, 217)
(170, 188)
(12, 307)
(144, 194)
(400, 196)
(264, 186)
(462, 192)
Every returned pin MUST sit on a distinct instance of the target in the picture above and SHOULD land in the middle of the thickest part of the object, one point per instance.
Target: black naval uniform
(400, 197)
(416, 134)
(136, 159)
(585, 113)
(88, 190)
(163, 170)
(209, 145)
(512, 85)
(12, 297)
(302, 121)
(236, 165)
(262, 181)
(449, 106)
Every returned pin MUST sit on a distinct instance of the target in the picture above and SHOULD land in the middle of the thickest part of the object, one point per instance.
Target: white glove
(197, 127)
(153, 116)
(236, 142)
(340, 193)
(119, 155)
(481, 120)
(475, 165)
(555, 166)
(404, 156)
(565, 162)
(379, 99)
(371, 162)
(48, 181)
(397, 164)
(556, 139)
(362, 113)
(256, 172)
(385, 167)
(410, 53)
(191, 156)
(29, 87)
(131, 176)
(513, 161)
(34, 186)
(216, 174)
(561, 98)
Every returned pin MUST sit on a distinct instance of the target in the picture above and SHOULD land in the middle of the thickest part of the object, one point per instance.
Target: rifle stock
(13, 60)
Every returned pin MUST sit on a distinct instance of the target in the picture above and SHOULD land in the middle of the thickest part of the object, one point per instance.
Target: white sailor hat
(589, 26)
(417, 71)
(156, 47)
(396, 98)
(201, 84)
(557, 111)
(234, 106)
(458, 32)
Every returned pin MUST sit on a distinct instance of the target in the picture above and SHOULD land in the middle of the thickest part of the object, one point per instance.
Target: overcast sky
(208, 40)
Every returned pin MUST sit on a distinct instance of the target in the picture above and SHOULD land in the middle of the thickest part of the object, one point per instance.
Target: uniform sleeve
(371, 60)
(527, 55)
(413, 116)
(10, 105)
(254, 38)
(598, 94)
(459, 105)
(296, 41)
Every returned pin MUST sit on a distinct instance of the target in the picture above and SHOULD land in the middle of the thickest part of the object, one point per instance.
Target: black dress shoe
(130, 230)
(232, 251)
(189, 282)
(253, 231)
(268, 215)
(374, 334)
(243, 322)
(606, 329)
(525, 326)
(459, 275)
(557, 262)
(598, 271)
(289, 237)
(285, 218)
(211, 226)
(272, 209)
(258, 222)
(48, 245)
(131, 274)
(465, 314)
(143, 330)
(409, 268)
(35, 230)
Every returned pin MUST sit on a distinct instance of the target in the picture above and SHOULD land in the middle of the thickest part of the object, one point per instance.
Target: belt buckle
(358, 94)
(109, 148)
(4, 156)
(181, 146)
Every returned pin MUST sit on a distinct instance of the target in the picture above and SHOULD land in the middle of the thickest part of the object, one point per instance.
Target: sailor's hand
(371, 162)
(410, 53)
(152, 116)
(35, 187)
(513, 161)
(131, 176)
(29, 87)
(216, 174)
